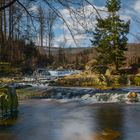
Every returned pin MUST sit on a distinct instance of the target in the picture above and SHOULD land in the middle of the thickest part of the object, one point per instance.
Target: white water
(63, 72)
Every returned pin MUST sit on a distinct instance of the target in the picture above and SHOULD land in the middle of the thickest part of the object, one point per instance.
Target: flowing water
(41, 119)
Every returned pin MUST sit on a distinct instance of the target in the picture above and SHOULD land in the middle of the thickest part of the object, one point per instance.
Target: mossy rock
(8, 100)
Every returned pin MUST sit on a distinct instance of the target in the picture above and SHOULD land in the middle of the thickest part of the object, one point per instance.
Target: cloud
(137, 6)
(83, 20)
(78, 22)
(125, 17)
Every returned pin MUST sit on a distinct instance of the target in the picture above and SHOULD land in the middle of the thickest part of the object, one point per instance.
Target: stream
(70, 113)
(44, 119)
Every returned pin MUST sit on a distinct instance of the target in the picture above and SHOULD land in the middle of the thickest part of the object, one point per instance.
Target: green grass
(99, 81)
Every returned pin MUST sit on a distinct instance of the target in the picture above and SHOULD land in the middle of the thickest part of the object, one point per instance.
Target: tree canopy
(110, 36)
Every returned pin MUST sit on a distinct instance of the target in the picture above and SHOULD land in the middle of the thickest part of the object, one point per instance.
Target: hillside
(83, 55)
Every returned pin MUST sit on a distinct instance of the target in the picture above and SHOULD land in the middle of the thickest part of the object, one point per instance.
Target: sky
(130, 10)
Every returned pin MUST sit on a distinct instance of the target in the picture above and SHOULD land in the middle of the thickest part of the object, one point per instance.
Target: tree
(41, 19)
(50, 22)
(110, 37)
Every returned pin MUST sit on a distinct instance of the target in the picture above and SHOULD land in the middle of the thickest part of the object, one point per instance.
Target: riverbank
(99, 81)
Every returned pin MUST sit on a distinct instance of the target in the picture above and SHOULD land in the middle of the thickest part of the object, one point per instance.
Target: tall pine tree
(110, 36)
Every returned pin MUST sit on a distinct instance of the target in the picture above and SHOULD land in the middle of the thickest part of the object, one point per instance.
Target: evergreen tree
(110, 36)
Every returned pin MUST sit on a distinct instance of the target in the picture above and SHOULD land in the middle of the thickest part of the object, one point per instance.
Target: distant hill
(55, 50)
(88, 53)
(132, 47)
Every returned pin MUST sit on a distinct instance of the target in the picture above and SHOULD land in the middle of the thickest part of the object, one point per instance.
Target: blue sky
(130, 10)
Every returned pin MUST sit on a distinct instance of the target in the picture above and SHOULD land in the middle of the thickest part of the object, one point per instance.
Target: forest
(28, 35)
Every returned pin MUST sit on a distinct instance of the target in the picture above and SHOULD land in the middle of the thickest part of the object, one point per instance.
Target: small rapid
(91, 95)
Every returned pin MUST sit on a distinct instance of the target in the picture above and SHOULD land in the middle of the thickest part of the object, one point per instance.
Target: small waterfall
(91, 95)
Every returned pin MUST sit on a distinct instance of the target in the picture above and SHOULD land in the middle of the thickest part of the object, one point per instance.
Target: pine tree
(110, 36)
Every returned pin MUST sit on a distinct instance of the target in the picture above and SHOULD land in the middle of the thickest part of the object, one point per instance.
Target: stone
(132, 96)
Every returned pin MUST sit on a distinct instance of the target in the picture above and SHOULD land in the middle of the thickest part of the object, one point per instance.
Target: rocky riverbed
(78, 93)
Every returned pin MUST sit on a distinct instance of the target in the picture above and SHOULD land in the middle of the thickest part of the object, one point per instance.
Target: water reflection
(109, 121)
(8, 119)
(7, 122)
(51, 120)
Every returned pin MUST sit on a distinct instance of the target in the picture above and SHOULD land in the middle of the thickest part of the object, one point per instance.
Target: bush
(123, 80)
(6, 69)
(136, 81)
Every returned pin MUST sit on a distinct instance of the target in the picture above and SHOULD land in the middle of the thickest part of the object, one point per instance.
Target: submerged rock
(107, 134)
(85, 96)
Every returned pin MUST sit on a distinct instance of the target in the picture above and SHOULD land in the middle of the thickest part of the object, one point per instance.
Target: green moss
(8, 101)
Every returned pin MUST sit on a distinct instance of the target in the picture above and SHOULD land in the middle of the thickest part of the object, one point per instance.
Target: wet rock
(132, 97)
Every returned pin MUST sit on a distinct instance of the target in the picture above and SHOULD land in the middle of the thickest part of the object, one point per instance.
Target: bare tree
(50, 21)
(41, 20)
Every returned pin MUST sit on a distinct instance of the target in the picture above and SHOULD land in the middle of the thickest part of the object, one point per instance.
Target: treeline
(72, 58)
(10, 31)
(18, 35)
(78, 58)
(27, 24)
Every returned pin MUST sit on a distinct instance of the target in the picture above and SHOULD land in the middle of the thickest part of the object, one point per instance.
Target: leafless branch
(58, 13)
(31, 17)
(8, 5)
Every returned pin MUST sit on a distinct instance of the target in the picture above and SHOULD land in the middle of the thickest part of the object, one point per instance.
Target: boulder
(132, 96)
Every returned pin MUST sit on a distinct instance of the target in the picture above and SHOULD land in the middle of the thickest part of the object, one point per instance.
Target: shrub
(137, 81)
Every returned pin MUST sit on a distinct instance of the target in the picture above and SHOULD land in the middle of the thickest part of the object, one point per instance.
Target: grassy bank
(99, 81)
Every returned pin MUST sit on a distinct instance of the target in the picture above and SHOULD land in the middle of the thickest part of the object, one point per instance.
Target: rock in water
(132, 96)
(107, 134)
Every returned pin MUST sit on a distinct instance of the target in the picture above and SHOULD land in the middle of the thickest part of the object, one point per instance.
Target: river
(43, 119)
